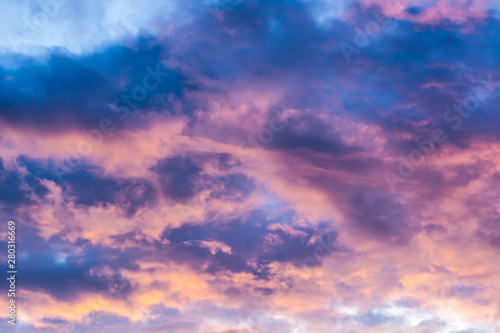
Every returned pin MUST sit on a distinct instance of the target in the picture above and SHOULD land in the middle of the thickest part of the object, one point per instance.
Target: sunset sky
(238, 166)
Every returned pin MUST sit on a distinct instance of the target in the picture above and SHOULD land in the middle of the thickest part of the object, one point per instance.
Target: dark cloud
(415, 10)
(489, 230)
(50, 266)
(230, 186)
(380, 216)
(91, 189)
(69, 91)
(87, 185)
(250, 241)
(184, 176)
(178, 176)
(19, 189)
(320, 141)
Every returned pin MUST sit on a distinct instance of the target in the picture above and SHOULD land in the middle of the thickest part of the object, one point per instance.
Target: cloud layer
(252, 166)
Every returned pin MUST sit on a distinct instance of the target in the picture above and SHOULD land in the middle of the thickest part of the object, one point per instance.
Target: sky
(237, 166)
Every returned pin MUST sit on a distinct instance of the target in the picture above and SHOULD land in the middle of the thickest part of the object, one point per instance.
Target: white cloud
(33, 27)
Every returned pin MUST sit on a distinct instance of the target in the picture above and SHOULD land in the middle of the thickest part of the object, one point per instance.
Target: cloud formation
(252, 166)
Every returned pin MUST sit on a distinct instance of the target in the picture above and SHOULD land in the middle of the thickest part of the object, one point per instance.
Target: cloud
(246, 190)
